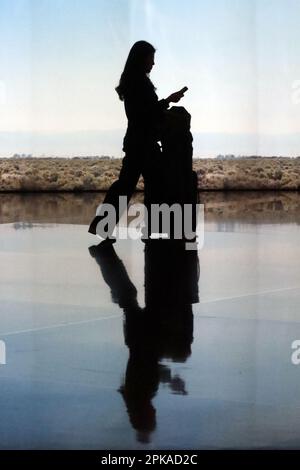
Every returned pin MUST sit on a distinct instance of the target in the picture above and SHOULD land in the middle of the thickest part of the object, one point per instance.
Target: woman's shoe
(94, 223)
(107, 242)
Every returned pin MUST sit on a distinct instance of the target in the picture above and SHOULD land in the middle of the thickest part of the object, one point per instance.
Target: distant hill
(110, 142)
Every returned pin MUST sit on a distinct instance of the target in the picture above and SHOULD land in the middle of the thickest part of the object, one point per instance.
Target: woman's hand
(175, 97)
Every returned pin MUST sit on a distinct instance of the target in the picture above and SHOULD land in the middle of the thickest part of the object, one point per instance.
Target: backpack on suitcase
(174, 181)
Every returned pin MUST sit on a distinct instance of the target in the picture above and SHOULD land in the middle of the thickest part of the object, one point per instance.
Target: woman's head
(139, 62)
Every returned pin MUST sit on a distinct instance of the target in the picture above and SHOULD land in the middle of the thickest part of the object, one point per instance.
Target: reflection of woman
(145, 114)
(163, 329)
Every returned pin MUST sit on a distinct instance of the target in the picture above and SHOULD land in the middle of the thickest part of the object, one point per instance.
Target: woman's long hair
(134, 69)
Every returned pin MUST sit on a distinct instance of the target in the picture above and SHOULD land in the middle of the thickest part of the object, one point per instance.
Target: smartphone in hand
(183, 90)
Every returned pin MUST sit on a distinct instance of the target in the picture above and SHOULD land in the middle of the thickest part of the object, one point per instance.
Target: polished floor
(150, 347)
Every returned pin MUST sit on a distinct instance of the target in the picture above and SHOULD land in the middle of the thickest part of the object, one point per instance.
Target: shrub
(278, 174)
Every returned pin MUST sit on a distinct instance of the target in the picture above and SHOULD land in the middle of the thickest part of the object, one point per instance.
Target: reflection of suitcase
(173, 180)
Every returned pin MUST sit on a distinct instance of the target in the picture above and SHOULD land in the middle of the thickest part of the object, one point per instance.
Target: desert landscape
(97, 174)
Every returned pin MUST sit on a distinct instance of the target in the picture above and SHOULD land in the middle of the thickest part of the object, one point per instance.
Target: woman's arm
(145, 112)
(142, 106)
(175, 97)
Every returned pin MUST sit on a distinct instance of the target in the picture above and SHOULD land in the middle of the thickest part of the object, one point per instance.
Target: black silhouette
(145, 114)
(177, 183)
(162, 329)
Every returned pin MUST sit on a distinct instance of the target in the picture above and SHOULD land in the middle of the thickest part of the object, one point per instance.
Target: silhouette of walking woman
(145, 114)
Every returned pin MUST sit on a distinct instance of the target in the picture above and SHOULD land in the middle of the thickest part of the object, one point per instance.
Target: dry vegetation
(87, 174)
(57, 174)
(249, 173)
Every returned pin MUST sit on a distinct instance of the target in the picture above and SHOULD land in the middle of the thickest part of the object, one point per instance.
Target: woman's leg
(124, 186)
(154, 183)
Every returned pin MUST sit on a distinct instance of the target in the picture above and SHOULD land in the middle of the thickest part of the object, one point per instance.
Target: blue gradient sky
(61, 59)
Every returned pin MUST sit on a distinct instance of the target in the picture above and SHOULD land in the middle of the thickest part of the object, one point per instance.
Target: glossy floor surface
(149, 347)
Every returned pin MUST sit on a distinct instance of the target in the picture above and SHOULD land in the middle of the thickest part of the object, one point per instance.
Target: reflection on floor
(130, 347)
(162, 329)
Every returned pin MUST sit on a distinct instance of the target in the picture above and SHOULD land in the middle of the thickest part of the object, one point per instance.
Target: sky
(61, 60)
